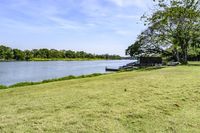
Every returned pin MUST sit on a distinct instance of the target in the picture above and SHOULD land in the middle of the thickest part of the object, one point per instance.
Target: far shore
(60, 59)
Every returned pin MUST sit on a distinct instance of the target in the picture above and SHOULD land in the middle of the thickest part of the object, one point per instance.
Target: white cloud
(66, 24)
(137, 3)
(124, 16)
(124, 32)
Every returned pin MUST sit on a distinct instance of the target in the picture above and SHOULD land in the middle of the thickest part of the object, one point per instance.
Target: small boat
(112, 69)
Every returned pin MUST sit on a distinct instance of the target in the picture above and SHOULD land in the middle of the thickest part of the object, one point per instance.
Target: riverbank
(160, 100)
(70, 77)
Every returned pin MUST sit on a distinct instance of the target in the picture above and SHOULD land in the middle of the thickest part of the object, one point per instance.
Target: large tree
(6, 53)
(174, 24)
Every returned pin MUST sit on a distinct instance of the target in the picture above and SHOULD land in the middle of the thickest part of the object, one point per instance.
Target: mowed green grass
(162, 100)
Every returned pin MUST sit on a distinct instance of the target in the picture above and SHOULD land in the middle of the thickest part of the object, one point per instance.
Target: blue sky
(95, 26)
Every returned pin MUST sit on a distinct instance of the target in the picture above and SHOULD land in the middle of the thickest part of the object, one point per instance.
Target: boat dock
(125, 67)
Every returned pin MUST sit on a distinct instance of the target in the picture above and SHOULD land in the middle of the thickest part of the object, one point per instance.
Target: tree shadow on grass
(150, 68)
(194, 64)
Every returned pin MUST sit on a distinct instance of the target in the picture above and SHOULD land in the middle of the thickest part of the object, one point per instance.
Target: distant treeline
(7, 53)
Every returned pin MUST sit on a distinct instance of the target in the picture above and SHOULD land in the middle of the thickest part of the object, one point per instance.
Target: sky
(94, 26)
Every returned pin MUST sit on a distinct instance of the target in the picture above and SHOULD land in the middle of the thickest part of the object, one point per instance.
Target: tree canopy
(175, 26)
(7, 53)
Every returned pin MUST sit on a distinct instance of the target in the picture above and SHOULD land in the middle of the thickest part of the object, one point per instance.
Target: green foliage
(6, 53)
(145, 45)
(3, 87)
(23, 84)
(44, 54)
(18, 55)
(194, 54)
(28, 54)
(175, 24)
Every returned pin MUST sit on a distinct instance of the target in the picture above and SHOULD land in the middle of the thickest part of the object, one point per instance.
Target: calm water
(14, 72)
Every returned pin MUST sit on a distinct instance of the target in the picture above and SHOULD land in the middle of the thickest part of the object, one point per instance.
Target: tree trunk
(185, 56)
(177, 56)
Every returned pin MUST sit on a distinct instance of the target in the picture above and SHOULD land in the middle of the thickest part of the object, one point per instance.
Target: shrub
(3, 87)
(23, 84)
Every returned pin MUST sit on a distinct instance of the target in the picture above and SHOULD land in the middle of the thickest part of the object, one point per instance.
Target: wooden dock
(129, 66)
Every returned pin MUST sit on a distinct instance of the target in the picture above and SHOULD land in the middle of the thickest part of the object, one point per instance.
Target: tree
(28, 55)
(145, 45)
(18, 54)
(70, 54)
(55, 54)
(175, 24)
(6, 53)
(44, 53)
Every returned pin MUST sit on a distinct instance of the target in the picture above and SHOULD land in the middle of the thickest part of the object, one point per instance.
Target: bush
(3, 87)
(23, 84)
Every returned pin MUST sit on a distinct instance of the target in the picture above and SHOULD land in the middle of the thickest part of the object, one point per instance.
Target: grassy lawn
(162, 100)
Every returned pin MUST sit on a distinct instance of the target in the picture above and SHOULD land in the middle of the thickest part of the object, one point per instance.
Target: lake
(14, 72)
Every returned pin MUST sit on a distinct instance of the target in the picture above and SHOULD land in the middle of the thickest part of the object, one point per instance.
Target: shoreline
(70, 77)
(67, 77)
